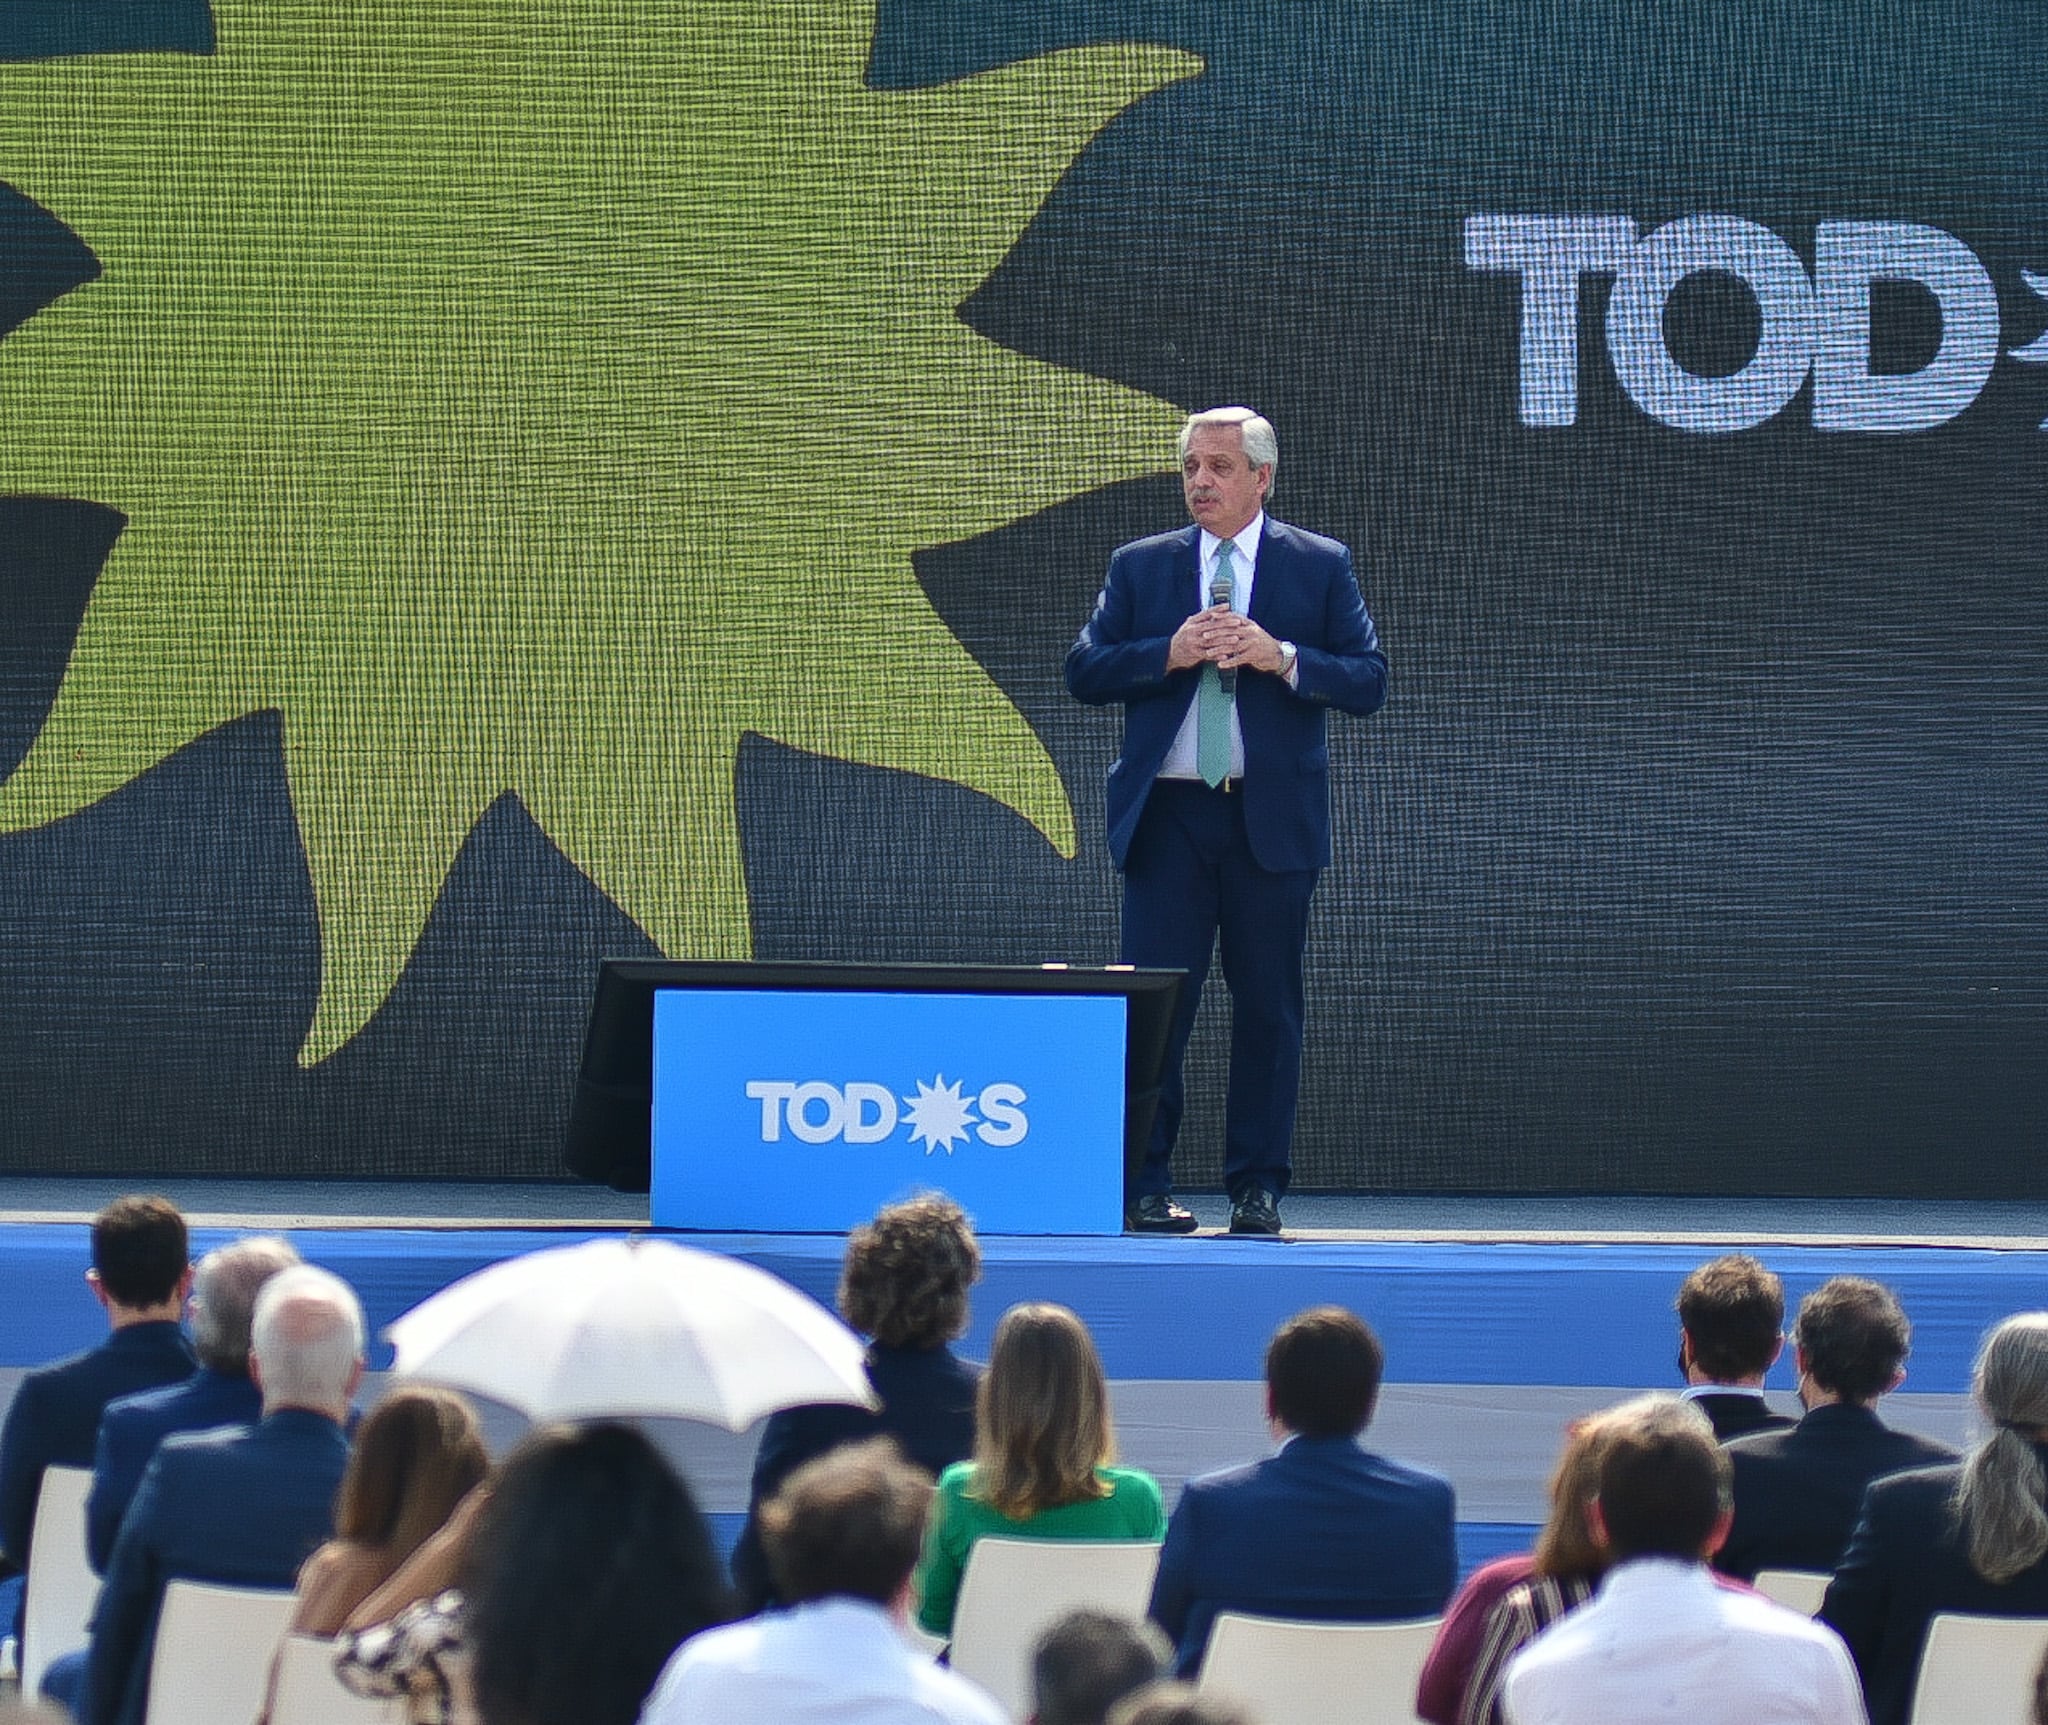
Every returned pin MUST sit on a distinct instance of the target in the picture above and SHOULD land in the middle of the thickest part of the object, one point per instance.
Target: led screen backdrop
(492, 484)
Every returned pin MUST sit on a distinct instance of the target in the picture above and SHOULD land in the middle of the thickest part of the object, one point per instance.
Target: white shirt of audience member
(831, 1662)
(1662, 1641)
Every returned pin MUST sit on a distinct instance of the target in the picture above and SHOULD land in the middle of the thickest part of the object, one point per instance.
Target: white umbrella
(617, 1328)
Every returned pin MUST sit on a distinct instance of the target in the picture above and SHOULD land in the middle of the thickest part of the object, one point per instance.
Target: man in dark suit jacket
(239, 1506)
(219, 1393)
(1226, 642)
(1323, 1529)
(1797, 1491)
(1731, 1329)
(140, 1272)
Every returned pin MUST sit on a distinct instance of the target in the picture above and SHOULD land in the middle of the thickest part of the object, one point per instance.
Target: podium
(799, 1098)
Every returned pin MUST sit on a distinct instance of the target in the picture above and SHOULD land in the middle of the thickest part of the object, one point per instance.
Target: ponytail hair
(2001, 1501)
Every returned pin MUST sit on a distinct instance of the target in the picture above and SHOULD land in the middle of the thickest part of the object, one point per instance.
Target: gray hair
(224, 1290)
(1261, 442)
(307, 1338)
(2000, 1497)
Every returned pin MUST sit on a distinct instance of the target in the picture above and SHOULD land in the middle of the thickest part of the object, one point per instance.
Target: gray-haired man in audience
(243, 1506)
(220, 1393)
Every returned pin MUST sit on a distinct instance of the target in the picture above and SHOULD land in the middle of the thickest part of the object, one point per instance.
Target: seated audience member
(1731, 1329)
(1043, 1449)
(1969, 1537)
(219, 1393)
(1797, 1491)
(406, 1641)
(1180, 1704)
(1323, 1529)
(241, 1506)
(141, 1269)
(413, 1460)
(1505, 1604)
(904, 1284)
(589, 1566)
(1089, 1661)
(842, 1536)
(1662, 1640)
(416, 1456)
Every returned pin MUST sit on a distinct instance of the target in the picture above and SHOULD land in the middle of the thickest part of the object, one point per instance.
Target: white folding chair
(1979, 1670)
(308, 1692)
(62, 1588)
(213, 1650)
(1015, 1589)
(1800, 1589)
(1298, 1673)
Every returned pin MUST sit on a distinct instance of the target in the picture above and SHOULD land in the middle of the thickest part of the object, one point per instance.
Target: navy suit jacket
(238, 1506)
(1905, 1564)
(130, 1431)
(1737, 1413)
(1797, 1491)
(1303, 591)
(1323, 1530)
(927, 1397)
(55, 1417)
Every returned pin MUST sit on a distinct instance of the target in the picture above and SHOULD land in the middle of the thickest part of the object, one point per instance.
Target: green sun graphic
(530, 398)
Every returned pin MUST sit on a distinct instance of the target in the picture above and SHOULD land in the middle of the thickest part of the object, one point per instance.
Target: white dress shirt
(1661, 1641)
(1244, 556)
(832, 1662)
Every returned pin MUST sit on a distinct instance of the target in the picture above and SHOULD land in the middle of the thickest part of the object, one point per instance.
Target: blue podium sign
(804, 1111)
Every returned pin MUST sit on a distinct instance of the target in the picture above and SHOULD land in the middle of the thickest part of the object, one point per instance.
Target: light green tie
(1212, 699)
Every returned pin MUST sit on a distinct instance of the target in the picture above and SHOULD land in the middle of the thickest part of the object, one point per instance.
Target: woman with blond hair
(1972, 1537)
(1043, 1455)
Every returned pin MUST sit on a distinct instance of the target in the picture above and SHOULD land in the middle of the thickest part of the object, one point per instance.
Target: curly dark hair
(907, 1273)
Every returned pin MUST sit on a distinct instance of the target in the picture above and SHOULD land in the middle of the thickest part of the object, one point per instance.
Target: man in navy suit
(141, 1269)
(1797, 1491)
(219, 1393)
(1226, 642)
(238, 1506)
(1731, 1329)
(1324, 1529)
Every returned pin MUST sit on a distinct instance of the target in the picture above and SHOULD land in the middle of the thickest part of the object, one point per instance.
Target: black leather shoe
(1155, 1213)
(1255, 1211)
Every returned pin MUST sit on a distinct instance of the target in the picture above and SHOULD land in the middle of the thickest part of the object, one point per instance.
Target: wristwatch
(1288, 650)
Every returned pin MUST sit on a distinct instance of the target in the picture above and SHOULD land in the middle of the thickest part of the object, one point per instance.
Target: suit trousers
(1191, 885)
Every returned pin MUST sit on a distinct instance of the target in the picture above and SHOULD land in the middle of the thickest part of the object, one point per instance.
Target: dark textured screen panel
(483, 491)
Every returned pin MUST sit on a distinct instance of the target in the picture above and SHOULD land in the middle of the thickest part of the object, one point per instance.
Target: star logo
(539, 402)
(938, 1114)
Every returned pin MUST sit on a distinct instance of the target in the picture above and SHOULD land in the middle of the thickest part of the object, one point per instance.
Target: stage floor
(1310, 1216)
(1503, 1319)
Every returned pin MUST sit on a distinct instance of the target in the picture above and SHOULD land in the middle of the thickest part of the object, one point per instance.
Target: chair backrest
(213, 1649)
(1979, 1670)
(62, 1588)
(1801, 1589)
(1014, 1589)
(1296, 1673)
(308, 1692)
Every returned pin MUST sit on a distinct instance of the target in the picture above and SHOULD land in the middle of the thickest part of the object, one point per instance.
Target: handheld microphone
(1219, 594)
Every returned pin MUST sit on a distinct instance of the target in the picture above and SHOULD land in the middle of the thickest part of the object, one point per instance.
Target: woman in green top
(1042, 1453)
